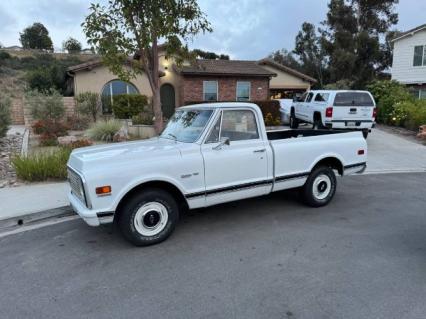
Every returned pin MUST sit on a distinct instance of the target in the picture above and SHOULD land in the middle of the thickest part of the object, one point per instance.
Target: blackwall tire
(320, 187)
(294, 122)
(149, 217)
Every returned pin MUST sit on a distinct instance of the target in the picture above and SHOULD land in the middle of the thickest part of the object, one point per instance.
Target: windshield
(186, 125)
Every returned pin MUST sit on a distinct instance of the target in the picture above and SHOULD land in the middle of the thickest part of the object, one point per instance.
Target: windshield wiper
(172, 135)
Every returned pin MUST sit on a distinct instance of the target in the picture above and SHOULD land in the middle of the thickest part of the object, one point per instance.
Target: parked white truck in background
(208, 154)
(354, 110)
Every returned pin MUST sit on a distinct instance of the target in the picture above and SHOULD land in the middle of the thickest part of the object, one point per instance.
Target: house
(201, 80)
(409, 60)
(13, 48)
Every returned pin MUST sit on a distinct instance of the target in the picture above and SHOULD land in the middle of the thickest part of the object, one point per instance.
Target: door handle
(260, 151)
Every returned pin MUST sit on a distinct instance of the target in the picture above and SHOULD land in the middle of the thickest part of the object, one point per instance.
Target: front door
(237, 170)
(167, 97)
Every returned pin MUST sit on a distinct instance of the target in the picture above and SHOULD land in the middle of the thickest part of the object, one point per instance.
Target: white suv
(355, 110)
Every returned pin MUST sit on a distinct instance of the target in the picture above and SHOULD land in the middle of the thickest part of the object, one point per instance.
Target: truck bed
(286, 134)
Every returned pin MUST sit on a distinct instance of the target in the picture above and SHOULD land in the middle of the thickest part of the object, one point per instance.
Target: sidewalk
(23, 200)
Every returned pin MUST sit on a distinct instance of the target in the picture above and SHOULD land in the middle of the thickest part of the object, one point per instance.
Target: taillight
(361, 152)
(329, 112)
(374, 112)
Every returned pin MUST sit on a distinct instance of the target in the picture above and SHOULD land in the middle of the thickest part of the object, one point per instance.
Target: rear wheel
(294, 122)
(320, 187)
(317, 125)
(148, 217)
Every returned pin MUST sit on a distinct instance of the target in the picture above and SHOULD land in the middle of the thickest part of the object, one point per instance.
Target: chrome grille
(76, 185)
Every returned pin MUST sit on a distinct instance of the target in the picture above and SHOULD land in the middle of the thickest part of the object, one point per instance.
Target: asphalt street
(363, 256)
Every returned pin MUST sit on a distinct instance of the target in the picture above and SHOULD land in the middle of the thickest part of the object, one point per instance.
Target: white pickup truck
(335, 109)
(207, 154)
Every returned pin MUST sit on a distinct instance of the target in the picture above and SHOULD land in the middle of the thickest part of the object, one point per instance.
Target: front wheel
(148, 217)
(320, 187)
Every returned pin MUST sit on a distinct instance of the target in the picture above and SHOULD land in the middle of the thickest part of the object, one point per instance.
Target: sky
(243, 29)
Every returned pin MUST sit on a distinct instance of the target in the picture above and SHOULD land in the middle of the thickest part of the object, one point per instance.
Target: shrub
(48, 105)
(49, 127)
(104, 130)
(125, 106)
(143, 119)
(47, 78)
(80, 143)
(409, 114)
(271, 112)
(88, 104)
(77, 123)
(47, 139)
(43, 166)
(387, 95)
(4, 115)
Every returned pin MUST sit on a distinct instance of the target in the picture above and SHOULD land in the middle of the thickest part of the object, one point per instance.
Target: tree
(45, 105)
(210, 55)
(36, 37)
(89, 104)
(351, 38)
(286, 58)
(71, 45)
(125, 27)
(311, 54)
(45, 78)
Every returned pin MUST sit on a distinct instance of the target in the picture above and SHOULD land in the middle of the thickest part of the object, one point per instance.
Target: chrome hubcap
(322, 186)
(151, 218)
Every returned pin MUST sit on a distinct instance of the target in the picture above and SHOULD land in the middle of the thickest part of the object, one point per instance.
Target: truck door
(236, 169)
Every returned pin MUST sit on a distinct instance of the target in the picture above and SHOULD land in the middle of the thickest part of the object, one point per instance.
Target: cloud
(244, 29)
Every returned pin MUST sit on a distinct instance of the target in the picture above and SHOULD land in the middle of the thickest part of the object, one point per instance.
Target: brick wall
(192, 88)
(17, 112)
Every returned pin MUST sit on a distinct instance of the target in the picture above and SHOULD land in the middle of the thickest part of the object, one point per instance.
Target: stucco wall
(171, 77)
(95, 79)
(285, 80)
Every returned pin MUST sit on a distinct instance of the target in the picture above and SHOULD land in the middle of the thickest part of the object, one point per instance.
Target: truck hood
(94, 156)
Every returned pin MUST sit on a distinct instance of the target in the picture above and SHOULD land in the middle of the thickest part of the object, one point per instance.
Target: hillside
(16, 66)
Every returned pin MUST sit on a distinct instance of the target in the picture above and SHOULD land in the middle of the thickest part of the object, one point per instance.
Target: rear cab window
(309, 97)
(353, 99)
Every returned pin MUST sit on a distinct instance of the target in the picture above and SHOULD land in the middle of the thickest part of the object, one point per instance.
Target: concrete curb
(33, 218)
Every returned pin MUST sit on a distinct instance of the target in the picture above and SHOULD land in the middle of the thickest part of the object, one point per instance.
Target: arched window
(112, 88)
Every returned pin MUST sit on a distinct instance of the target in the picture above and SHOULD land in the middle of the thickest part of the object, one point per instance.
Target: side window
(215, 132)
(321, 97)
(309, 97)
(302, 98)
(239, 125)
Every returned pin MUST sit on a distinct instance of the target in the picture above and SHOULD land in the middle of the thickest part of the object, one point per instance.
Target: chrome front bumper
(90, 216)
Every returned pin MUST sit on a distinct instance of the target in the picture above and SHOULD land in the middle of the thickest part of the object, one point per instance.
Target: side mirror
(223, 141)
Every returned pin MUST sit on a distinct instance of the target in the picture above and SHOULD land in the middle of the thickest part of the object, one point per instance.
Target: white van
(335, 109)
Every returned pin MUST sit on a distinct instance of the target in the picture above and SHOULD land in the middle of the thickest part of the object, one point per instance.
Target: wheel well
(331, 162)
(317, 116)
(170, 188)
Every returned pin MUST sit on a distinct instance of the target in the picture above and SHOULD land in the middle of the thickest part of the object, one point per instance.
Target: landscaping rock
(9, 146)
(422, 132)
(66, 140)
(121, 136)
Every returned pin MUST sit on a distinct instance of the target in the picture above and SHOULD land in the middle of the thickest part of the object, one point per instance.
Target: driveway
(392, 153)
(363, 256)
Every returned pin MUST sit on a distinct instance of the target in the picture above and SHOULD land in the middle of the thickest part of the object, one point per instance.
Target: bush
(126, 106)
(77, 123)
(43, 166)
(47, 78)
(49, 127)
(409, 114)
(104, 130)
(88, 104)
(143, 119)
(4, 115)
(387, 95)
(271, 112)
(47, 105)
(80, 143)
